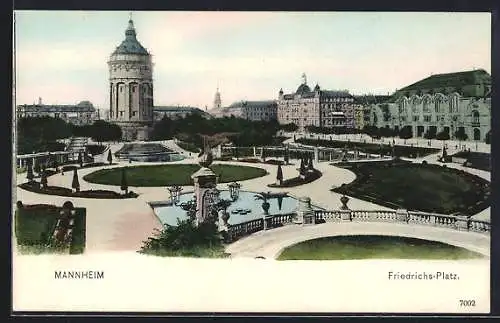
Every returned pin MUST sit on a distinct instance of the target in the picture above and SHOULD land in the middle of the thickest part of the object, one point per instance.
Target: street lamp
(175, 194)
(234, 190)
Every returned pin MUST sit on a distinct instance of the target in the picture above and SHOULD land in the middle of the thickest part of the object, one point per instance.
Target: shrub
(62, 191)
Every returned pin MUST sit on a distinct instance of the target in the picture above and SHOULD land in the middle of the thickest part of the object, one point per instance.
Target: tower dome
(130, 45)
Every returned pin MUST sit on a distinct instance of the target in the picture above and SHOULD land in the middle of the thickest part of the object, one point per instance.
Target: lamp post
(234, 190)
(175, 194)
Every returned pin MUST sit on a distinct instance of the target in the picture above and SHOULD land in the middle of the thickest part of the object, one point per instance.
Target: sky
(61, 56)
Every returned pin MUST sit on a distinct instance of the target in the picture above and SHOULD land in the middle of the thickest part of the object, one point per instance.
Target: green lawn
(374, 247)
(428, 188)
(174, 174)
(34, 227)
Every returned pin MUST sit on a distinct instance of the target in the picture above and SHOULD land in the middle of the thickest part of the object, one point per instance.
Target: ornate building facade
(82, 113)
(131, 87)
(317, 107)
(442, 102)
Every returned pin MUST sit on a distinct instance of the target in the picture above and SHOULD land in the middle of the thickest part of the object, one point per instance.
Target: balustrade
(411, 217)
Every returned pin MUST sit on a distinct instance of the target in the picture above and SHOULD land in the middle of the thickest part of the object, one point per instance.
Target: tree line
(35, 134)
(193, 127)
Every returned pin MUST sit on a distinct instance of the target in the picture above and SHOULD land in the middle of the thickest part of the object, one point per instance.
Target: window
(475, 116)
(121, 113)
(415, 118)
(427, 118)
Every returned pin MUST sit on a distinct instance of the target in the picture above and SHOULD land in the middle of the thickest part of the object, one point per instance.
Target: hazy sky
(61, 55)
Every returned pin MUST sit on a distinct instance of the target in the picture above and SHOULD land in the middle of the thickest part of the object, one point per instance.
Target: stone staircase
(77, 144)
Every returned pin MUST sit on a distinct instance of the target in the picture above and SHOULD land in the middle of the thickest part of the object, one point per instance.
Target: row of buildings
(439, 103)
(444, 102)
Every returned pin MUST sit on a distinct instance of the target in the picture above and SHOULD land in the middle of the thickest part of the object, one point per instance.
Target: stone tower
(131, 87)
(217, 100)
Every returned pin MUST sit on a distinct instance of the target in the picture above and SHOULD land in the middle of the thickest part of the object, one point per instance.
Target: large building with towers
(440, 103)
(131, 87)
(316, 107)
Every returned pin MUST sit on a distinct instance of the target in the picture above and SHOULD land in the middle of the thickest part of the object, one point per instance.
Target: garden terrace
(35, 224)
(423, 187)
(173, 174)
(401, 151)
(35, 187)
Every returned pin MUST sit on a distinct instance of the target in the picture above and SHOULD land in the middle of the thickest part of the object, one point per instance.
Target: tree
(29, 173)
(443, 135)
(310, 163)
(124, 185)
(430, 133)
(263, 154)
(460, 134)
(80, 159)
(75, 184)
(405, 133)
(56, 165)
(487, 138)
(43, 179)
(37, 168)
(302, 169)
(110, 157)
(279, 175)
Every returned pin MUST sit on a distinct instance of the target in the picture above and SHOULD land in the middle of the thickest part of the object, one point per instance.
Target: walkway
(269, 244)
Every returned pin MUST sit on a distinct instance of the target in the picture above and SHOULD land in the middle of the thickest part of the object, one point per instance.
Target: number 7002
(467, 302)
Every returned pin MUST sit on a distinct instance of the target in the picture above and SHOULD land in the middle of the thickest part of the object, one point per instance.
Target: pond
(244, 209)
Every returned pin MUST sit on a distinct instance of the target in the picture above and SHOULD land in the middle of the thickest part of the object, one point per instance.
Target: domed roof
(84, 104)
(303, 88)
(130, 45)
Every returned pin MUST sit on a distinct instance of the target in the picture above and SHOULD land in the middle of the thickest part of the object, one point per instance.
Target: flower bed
(296, 181)
(421, 187)
(62, 191)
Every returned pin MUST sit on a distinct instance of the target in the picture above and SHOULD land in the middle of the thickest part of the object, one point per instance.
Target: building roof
(84, 106)
(371, 99)
(261, 103)
(458, 81)
(175, 108)
(302, 89)
(130, 45)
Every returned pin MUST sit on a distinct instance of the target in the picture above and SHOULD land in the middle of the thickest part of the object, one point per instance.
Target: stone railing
(456, 222)
(240, 230)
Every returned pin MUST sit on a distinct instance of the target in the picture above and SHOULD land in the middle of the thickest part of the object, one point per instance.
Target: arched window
(475, 116)
(426, 104)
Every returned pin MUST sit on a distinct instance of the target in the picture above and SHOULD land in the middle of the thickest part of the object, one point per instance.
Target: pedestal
(316, 154)
(462, 222)
(345, 215)
(204, 181)
(402, 215)
(305, 213)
